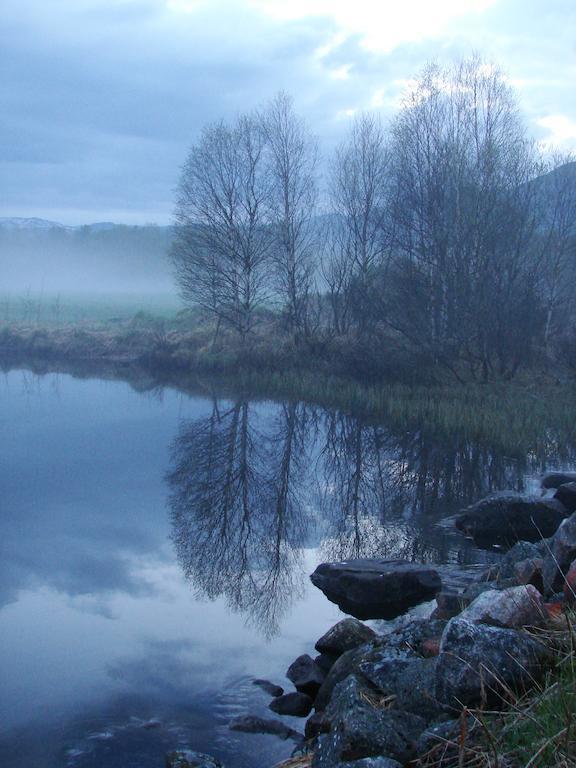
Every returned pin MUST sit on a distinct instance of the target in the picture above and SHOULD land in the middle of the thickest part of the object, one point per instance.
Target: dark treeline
(446, 238)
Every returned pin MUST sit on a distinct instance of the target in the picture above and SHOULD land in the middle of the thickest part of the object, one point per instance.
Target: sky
(100, 100)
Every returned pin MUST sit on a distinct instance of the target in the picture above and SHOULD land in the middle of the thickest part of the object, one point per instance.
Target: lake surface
(155, 549)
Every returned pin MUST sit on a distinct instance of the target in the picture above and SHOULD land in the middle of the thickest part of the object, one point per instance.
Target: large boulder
(306, 675)
(188, 758)
(477, 663)
(562, 552)
(361, 728)
(566, 494)
(343, 636)
(506, 518)
(514, 607)
(376, 589)
(296, 704)
(556, 479)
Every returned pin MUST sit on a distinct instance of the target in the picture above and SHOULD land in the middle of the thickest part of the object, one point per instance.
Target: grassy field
(54, 310)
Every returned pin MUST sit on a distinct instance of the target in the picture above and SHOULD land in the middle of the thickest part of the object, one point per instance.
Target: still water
(155, 549)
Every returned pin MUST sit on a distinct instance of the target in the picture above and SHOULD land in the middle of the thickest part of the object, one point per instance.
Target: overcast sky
(100, 99)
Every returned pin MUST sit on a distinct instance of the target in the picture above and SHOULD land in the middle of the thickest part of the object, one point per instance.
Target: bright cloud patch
(562, 130)
(382, 26)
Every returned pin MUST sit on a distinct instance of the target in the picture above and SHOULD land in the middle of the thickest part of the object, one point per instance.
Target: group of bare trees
(448, 232)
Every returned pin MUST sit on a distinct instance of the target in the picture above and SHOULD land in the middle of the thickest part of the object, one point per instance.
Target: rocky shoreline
(390, 700)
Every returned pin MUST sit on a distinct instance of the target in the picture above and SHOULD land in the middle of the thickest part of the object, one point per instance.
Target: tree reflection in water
(251, 485)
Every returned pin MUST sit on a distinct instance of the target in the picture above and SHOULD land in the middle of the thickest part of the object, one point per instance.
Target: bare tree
(223, 239)
(293, 158)
(358, 190)
(464, 218)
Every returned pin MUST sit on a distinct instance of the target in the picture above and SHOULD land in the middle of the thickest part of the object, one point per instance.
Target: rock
(477, 660)
(306, 675)
(187, 758)
(478, 588)
(316, 724)
(514, 608)
(268, 687)
(448, 605)
(556, 479)
(562, 553)
(254, 724)
(376, 589)
(326, 661)
(372, 762)
(530, 571)
(522, 550)
(404, 642)
(410, 681)
(360, 728)
(566, 494)
(569, 591)
(441, 742)
(506, 518)
(343, 636)
(296, 704)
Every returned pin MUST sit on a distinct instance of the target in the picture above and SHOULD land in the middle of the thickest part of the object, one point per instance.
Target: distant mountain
(18, 223)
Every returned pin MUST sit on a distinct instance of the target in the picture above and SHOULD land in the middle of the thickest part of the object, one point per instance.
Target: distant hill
(40, 255)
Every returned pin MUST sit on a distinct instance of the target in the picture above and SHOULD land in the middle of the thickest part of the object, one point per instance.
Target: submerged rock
(254, 724)
(296, 704)
(343, 636)
(187, 758)
(477, 662)
(268, 687)
(506, 518)
(306, 675)
(376, 589)
(514, 607)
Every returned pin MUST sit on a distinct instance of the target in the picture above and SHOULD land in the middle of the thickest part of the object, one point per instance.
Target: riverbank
(487, 679)
(508, 414)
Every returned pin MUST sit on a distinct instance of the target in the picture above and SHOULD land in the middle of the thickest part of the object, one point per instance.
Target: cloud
(102, 98)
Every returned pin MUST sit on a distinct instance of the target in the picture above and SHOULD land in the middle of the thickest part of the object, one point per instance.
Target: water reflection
(237, 490)
(252, 485)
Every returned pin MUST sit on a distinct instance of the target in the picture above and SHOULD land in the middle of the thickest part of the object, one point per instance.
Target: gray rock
(556, 479)
(522, 550)
(254, 724)
(449, 604)
(441, 741)
(506, 518)
(376, 589)
(360, 728)
(403, 643)
(296, 704)
(476, 660)
(514, 607)
(187, 758)
(306, 675)
(343, 636)
(410, 681)
(566, 494)
(268, 687)
(562, 553)
(530, 571)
